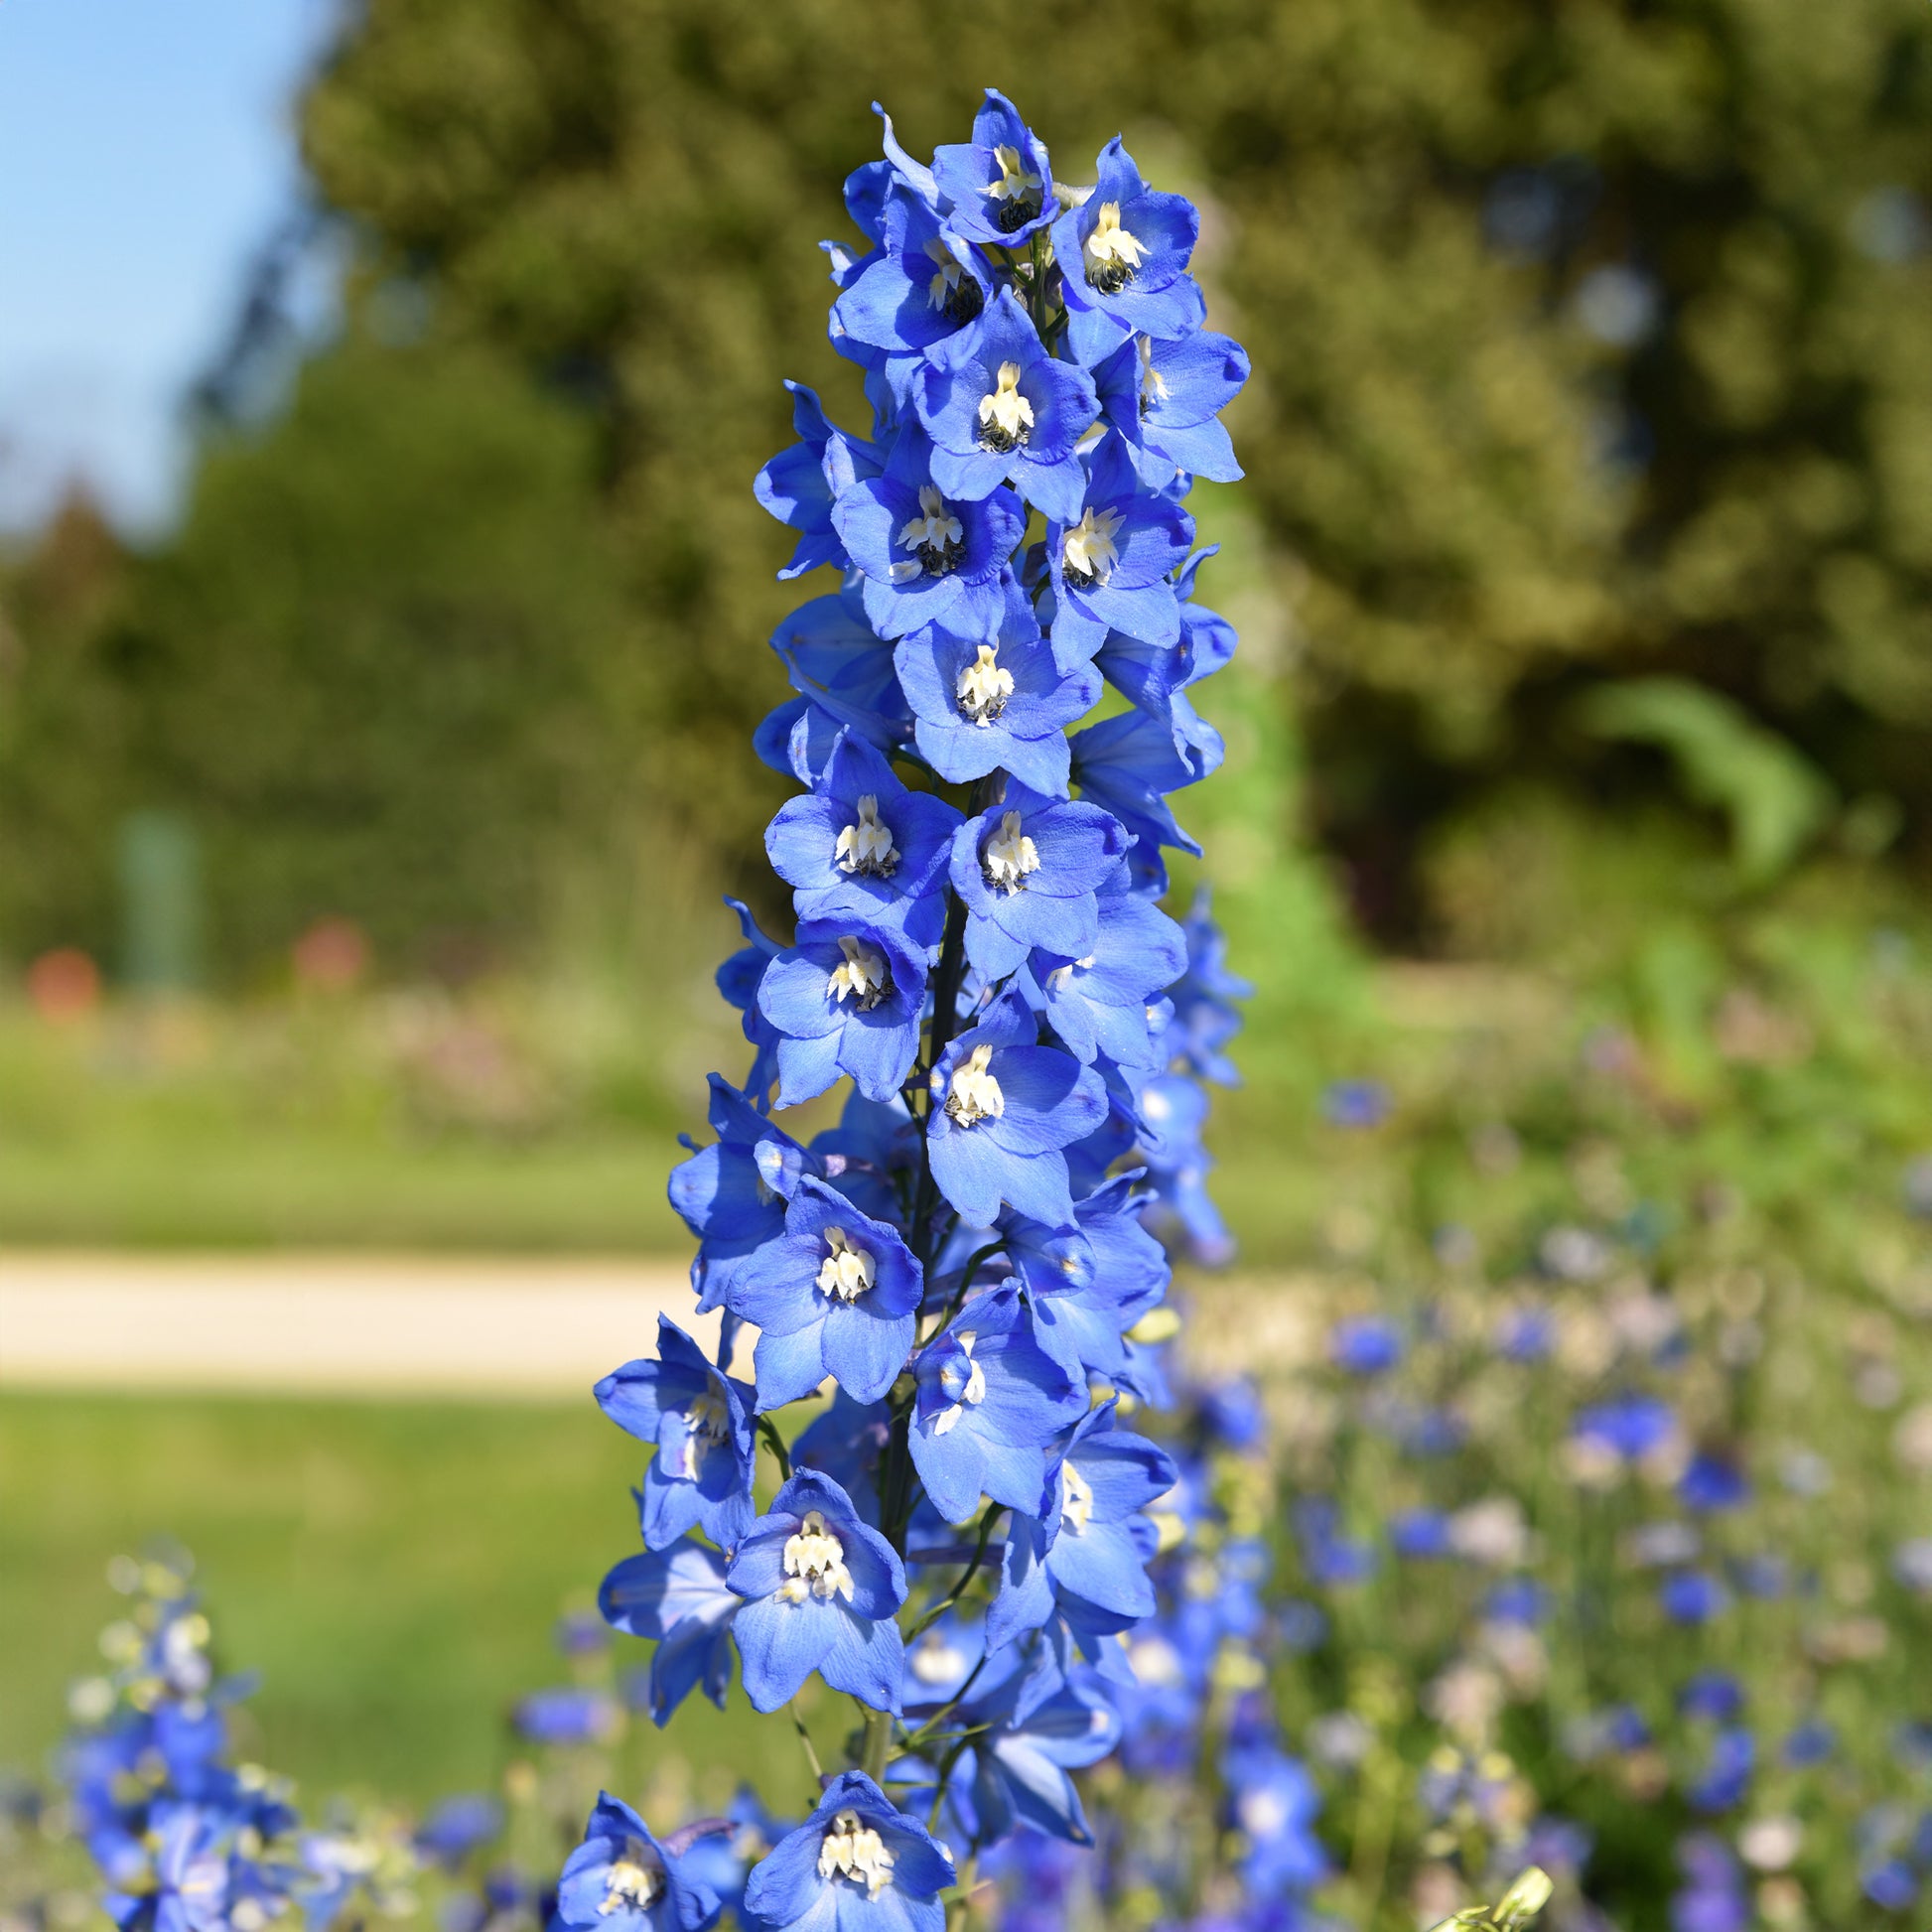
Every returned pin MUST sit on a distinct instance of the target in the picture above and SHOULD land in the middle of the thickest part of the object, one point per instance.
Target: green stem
(776, 1444)
(805, 1738)
(878, 1742)
(953, 1596)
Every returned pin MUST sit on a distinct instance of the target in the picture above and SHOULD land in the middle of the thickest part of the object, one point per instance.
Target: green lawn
(393, 1571)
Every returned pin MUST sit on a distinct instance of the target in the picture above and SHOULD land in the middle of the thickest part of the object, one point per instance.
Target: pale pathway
(538, 1328)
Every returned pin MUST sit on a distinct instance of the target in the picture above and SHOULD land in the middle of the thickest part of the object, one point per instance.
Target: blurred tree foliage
(1590, 342)
(375, 666)
(1590, 338)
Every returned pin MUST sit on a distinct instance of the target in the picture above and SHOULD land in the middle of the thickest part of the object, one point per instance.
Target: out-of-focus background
(382, 619)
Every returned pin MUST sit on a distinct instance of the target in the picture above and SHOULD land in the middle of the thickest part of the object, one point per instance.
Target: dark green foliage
(1494, 505)
(374, 670)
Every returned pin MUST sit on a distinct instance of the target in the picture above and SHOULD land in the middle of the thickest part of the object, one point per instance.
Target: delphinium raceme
(960, 1539)
(183, 1837)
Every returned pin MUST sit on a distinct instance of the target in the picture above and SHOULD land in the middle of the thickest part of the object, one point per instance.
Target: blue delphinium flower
(926, 557)
(1123, 255)
(800, 484)
(700, 1421)
(836, 1294)
(1166, 399)
(999, 703)
(842, 671)
(1365, 1344)
(989, 1399)
(1097, 1000)
(1087, 1546)
(1000, 409)
(621, 1878)
(1025, 870)
(997, 187)
(857, 1865)
(864, 845)
(845, 998)
(677, 1598)
(1022, 1759)
(1112, 559)
(921, 286)
(1003, 1109)
(821, 1589)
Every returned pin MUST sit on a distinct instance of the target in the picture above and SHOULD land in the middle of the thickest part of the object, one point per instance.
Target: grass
(393, 1571)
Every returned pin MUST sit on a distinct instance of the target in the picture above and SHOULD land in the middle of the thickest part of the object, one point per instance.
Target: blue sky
(145, 150)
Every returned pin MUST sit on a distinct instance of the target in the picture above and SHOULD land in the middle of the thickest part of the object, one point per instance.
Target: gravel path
(539, 1328)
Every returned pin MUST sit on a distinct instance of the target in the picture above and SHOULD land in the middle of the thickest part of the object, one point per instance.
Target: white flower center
(1112, 253)
(707, 1422)
(1009, 855)
(1017, 183)
(863, 977)
(1153, 388)
(965, 1383)
(1076, 1499)
(630, 1885)
(814, 1564)
(984, 686)
(945, 284)
(1006, 416)
(866, 845)
(853, 1849)
(936, 536)
(975, 1094)
(846, 1272)
(1263, 1814)
(1087, 550)
(1061, 977)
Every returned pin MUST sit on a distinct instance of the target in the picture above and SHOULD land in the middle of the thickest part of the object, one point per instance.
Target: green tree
(374, 670)
(1588, 336)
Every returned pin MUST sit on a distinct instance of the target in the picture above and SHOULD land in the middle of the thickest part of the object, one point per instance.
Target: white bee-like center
(946, 283)
(866, 845)
(846, 1272)
(1061, 977)
(707, 1422)
(1009, 855)
(863, 976)
(936, 536)
(1113, 254)
(1088, 549)
(1076, 1499)
(1153, 387)
(853, 1849)
(1017, 182)
(1004, 411)
(984, 686)
(975, 1094)
(965, 1383)
(630, 1885)
(814, 1564)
